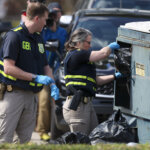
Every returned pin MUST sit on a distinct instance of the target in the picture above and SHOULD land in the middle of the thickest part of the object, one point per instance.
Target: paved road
(36, 139)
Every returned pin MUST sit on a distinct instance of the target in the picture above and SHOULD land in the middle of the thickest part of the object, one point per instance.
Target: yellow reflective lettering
(26, 45)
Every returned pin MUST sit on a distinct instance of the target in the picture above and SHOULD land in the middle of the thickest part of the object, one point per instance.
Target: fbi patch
(41, 48)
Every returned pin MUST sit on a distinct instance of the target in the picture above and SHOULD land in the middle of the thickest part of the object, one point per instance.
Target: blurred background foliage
(14, 7)
(10, 10)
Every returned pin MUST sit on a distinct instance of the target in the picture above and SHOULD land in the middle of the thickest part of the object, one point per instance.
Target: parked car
(103, 23)
(134, 4)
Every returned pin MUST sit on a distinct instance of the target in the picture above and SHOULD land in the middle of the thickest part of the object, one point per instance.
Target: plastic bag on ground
(71, 138)
(115, 129)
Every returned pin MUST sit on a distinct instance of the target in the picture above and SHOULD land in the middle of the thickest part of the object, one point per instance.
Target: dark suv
(128, 4)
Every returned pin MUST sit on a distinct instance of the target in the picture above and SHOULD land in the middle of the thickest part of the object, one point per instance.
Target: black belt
(11, 88)
(84, 99)
(4, 87)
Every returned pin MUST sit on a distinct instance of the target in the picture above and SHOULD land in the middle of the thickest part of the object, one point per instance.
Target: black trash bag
(122, 59)
(106, 88)
(123, 64)
(71, 138)
(115, 129)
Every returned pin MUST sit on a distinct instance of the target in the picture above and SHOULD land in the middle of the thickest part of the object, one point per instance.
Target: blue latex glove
(114, 46)
(118, 75)
(43, 79)
(54, 92)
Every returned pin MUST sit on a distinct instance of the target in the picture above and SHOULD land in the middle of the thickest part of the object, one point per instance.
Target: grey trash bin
(135, 104)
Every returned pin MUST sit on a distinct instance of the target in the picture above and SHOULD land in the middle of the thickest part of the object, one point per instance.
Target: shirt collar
(27, 31)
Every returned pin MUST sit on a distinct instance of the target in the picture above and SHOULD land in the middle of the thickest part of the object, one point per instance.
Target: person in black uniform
(23, 72)
(81, 80)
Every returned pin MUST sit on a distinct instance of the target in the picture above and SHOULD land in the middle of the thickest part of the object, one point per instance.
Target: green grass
(73, 147)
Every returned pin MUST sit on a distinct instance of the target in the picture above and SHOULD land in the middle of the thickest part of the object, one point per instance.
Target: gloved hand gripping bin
(132, 95)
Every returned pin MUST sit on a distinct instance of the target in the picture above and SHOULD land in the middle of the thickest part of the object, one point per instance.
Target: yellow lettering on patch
(26, 45)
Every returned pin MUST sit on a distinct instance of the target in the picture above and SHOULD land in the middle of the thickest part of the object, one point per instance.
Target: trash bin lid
(143, 26)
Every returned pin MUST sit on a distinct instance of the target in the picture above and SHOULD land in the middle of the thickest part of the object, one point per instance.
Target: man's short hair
(36, 9)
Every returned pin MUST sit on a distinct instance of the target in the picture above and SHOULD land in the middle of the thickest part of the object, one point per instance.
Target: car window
(137, 4)
(81, 4)
(104, 29)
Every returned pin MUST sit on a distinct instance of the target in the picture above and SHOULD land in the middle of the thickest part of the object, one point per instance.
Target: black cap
(53, 5)
(40, 1)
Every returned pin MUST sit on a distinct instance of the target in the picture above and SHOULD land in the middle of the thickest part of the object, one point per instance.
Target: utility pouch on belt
(2, 90)
(76, 99)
